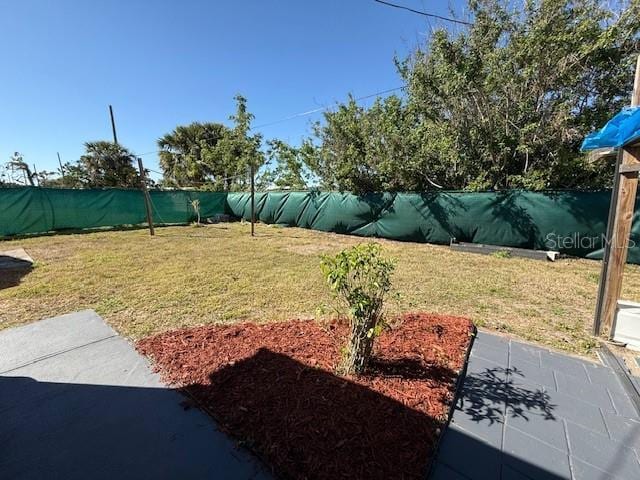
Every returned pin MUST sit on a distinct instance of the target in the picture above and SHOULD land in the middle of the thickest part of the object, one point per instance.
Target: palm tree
(183, 152)
(107, 164)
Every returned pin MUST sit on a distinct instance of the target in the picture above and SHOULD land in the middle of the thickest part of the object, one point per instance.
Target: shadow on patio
(79, 431)
(268, 402)
(12, 269)
(272, 404)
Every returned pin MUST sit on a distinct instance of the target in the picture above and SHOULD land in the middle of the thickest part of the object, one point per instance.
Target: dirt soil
(628, 357)
(274, 389)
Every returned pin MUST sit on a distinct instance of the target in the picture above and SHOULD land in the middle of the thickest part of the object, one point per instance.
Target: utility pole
(28, 174)
(253, 200)
(147, 198)
(60, 163)
(113, 125)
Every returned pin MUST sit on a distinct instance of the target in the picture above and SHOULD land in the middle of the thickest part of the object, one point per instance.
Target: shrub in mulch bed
(274, 389)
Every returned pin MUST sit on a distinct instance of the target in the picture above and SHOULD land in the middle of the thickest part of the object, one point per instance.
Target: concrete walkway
(78, 402)
(528, 413)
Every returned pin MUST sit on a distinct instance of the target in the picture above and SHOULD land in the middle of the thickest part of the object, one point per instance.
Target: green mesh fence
(571, 222)
(27, 210)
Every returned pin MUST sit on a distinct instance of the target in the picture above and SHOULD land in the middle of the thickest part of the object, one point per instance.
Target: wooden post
(60, 163)
(597, 320)
(113, 125)
(147, 198)
(623, 202)
(253, 200)
(28, 175)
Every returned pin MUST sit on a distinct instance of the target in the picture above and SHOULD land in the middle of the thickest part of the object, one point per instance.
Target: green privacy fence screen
(570, 222)
(28, 210)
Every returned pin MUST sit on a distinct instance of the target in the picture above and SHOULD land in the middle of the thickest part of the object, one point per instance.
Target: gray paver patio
(528, 413)
(77, 401)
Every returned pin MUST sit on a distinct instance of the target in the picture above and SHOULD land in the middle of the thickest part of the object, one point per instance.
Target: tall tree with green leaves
(290, 170)
(239, 149)
(107, 164)
(212, 155)
(517, 92)
(182, 157)
(501, 104)
(383, 147)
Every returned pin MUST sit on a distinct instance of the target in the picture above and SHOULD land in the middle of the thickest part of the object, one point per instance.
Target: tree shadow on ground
(12, 270)
(82, 231)
(408, 369)
(485, 395)
(298, 418)
(77, 431)
(309, 423)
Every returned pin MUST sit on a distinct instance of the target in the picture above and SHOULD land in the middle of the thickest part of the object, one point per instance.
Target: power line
(432, 15)
(192, 183)
(321, 109)
(301, 114)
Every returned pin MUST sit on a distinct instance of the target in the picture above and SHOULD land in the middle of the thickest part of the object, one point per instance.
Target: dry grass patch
(189, 276)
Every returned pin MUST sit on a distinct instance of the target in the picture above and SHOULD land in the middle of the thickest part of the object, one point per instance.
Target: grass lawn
(189, 276)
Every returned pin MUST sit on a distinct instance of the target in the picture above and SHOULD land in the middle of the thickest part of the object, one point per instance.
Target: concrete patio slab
(77, 401)
(16, 258)
(525, 412)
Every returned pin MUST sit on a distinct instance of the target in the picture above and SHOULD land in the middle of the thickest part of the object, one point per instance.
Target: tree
(516, 94)
(19, 170)
(290, 166)
(181, 153)
(380, 148)
(45, 178)
(502, 104)
(360, 278)
(238, 150)
(212, 155)
(107, 164)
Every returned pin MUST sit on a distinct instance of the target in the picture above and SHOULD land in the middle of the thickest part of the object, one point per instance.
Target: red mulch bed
(273, 388)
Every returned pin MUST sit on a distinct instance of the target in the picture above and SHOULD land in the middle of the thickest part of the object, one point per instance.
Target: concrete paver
(77, 401)
(526, 413)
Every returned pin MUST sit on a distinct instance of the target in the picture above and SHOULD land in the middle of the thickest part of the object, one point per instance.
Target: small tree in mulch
(360, 278)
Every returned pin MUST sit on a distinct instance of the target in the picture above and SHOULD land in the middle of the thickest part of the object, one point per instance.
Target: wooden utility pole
(60, 163)
(253, 200)
(113, 125)
(619, 228)
(147, 198)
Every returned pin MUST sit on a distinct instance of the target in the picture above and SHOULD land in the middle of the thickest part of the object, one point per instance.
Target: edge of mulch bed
(429, 461)
(456, 396)
(193, 401)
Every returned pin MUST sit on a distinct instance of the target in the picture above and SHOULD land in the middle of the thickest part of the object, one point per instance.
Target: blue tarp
(621, 130)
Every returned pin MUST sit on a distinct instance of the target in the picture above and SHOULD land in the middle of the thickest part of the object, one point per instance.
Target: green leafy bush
(360, 278)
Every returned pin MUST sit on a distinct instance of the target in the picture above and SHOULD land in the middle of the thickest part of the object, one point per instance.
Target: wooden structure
(147, 198)
(621, 211)
(252, 172)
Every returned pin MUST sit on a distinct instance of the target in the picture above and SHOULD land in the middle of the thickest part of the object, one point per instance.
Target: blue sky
(165, 63)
